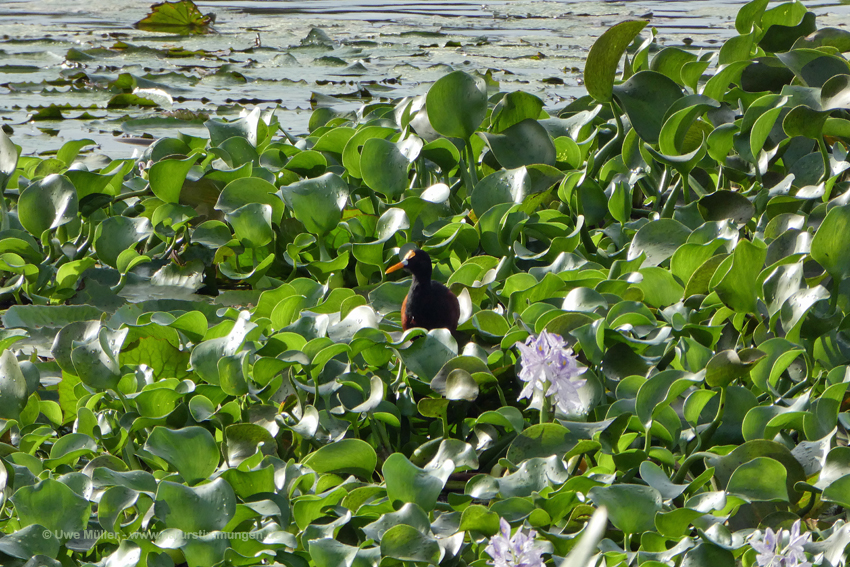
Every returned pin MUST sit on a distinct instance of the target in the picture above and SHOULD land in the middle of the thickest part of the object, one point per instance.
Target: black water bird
(428, 304)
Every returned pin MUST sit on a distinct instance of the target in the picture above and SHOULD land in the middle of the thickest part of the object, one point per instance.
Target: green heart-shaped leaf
(207, 507)
(192, 451)
(457, 104)
(47, 203)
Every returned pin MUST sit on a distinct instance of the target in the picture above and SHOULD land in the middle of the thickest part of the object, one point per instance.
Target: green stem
(376, 205)
(316, 393)
(712, 428)
(470, 162)
(502, 400)
(686, 187)
(670, 205)
(382, 433)
(122, 281)
(576, 464)
(130, 195)
(172, 243)
(659, 190)
(323, 252)
(546, 410)
(4, 213)
(149, 242)
(587, 240)
(399, 379)
(797, 388)
(825, 153)
(83, 248)
(813, 496)
(680, 475)
(130, 456)
(618, 120)
(613, 147)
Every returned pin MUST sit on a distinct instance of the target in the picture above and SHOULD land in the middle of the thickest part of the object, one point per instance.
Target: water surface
(70, 55)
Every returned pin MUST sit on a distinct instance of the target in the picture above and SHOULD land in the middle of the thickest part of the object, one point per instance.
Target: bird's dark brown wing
(454, 311)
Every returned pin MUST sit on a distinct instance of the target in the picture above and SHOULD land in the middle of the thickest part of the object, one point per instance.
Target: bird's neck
(421, 282)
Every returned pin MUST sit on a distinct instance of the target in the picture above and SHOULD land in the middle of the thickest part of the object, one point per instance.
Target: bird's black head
(416, 262)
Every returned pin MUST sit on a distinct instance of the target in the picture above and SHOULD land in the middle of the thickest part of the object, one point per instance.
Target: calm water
(69, 54)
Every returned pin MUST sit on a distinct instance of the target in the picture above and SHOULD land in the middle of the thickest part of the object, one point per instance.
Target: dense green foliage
(684, 227)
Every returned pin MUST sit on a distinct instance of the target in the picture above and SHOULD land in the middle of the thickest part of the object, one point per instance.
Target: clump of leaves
(182, 17)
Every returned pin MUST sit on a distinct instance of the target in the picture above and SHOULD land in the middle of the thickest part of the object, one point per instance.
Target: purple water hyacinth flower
(519, 550)
(549, 367)
(782, 548)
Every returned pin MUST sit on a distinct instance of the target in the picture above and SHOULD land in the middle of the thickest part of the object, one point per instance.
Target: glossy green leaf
(47, 203)
(53, 505)
(116, 234)
(813, 67)
(513, 109)
(524, 143)
(832, 240)
(750, 15)
(13, 387)
(542, 440)
(348, 456)
(96, 361)
(631, 508)
(242, 441)
(604, 58)
(30, 543)
(727, 366)
(722, 205)
(645, 98)
(726, 466)
(327, 552)
(249, 190)
(408, 483)
(658, 240)
(384, 167)
(738, 288)
(762, 479)
(405, 543)
(252, 224)
(167, 176)
(457, 104)
(206, 507)
(8, 159)
(804, 121)
(191, 451)
(318, 203)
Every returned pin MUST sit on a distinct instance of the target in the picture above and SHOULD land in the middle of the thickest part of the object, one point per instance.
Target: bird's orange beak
(403, 264)
(400, 266)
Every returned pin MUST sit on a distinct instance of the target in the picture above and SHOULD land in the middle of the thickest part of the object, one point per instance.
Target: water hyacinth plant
(783, 548)
(550, 370)
(518, 550)
(204, 340)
